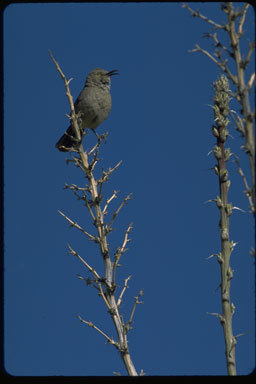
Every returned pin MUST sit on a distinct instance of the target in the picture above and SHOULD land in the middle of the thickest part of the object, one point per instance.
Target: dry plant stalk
(222, 154)
(92, 196)
(221, 56)
(224, 56)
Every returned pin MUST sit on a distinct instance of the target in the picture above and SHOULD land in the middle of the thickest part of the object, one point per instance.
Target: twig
(70, 98)
(93, 271)
(111, 341)
(242, 20)
(74, 119)
(238, 122)
(95, 150)
(96, 146)
(199, 49)
(218, 43)
(136, 302)
(198, 14)
(222, 64)
(248, 191)
(108, 201)
(105, 176)
(123, 290)
(73, 224)
(89, 281)
(74, 187)
(84, 198)
(87, 203)
(120, 251)
(118, 210)
(249, 54)
(251, 81)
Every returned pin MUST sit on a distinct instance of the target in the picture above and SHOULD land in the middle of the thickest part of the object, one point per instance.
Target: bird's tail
(66, 142)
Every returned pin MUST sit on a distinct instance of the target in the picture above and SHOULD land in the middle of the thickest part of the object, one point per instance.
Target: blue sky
(160, 127)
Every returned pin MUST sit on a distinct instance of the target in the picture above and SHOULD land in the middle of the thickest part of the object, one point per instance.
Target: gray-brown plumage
(93, 106)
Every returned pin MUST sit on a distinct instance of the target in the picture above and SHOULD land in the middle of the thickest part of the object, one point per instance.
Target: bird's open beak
(113, 72)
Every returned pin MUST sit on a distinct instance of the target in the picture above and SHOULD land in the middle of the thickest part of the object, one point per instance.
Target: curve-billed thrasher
(93, 106)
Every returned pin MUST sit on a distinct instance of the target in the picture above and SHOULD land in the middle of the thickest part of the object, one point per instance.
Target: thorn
(210, 201)
(232, 245)
(240, 334)
(239, 209)
(211, 256)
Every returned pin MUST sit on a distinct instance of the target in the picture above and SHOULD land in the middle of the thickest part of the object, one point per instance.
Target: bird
(93, 106)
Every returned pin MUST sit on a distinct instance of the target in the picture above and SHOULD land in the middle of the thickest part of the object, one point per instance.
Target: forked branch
(91, 194)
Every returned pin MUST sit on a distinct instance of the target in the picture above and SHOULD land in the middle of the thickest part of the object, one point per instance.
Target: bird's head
(100, 77)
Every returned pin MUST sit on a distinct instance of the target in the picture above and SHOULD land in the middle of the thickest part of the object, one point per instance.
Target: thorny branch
(233, 28)
(222, 64)
(120, 251)
(90, 324)
(105, 176)
(73, 224)
(136, 302)
(222, 154)
(119, 301)
(108, 202)
(118, 210)
(105, 285)
(73, 117)
(247, 188)
(98, 279)
(198, 14)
